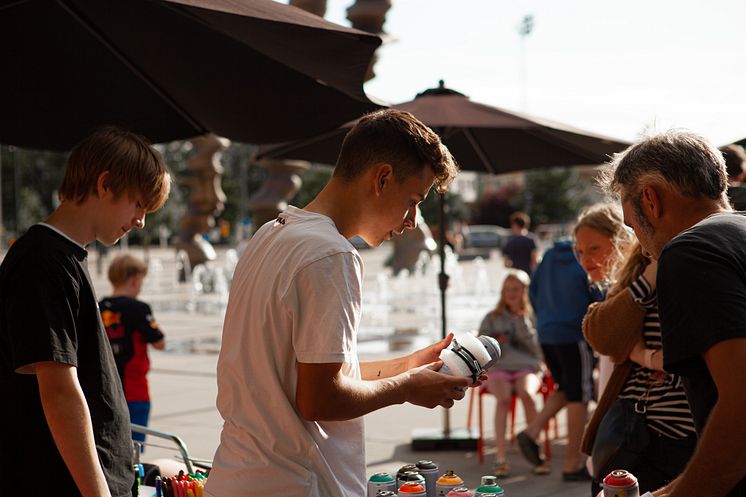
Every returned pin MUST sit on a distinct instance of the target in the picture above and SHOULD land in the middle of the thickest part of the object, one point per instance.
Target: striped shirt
(667, 409)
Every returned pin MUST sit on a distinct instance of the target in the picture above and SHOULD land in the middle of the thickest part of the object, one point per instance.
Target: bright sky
(615, 68)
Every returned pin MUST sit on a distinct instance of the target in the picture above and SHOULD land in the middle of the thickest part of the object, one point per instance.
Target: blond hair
(607, 219)
(124, 267)
(524, 279)
(632, 267)
(134, 167)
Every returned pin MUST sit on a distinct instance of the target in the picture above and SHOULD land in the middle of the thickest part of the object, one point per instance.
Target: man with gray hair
(672, 189)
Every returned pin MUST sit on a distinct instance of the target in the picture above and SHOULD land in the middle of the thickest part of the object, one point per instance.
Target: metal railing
(180, 445)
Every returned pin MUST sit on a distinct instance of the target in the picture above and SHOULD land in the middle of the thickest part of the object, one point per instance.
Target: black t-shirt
(48, 312)
(701, 294)
(518, 249)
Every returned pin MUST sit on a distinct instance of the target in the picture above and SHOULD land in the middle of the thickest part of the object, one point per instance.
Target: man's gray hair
(686, 161)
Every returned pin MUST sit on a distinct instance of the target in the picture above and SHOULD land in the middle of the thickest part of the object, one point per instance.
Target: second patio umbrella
(480, 137)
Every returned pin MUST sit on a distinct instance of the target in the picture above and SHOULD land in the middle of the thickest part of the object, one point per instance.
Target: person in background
(672, 188)
(68, 414)
(291, 389)
(601, 240)
(735, 168)
(625, 327)
(131, 328)
(560, 296)
(511, 323)
(412, 248)
(521, 250)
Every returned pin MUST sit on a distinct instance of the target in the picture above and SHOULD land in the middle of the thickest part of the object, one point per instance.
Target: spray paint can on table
(460, 492)
(379, 482)
(620, 483)
(489, 486)
(400, 474)
(385, 493)
(412, 489)
(447, 482)
(413, 477)
(429, 470)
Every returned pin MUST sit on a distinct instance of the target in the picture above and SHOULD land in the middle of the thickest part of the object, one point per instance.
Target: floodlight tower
(524, 30)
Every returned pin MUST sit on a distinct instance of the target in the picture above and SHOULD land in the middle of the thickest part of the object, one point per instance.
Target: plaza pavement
(183, 390)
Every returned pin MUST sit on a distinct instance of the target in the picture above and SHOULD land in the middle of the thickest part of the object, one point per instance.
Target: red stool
(545, 389)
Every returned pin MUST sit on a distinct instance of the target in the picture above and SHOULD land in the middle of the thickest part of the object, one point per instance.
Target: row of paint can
(425, 480)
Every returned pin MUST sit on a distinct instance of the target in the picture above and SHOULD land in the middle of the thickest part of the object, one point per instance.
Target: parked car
(486, 236)
(481, 239)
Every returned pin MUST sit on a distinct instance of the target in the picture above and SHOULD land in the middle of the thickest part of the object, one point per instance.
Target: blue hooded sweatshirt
(560, 295)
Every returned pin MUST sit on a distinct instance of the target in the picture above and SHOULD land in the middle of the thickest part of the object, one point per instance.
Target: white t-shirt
(295, 297)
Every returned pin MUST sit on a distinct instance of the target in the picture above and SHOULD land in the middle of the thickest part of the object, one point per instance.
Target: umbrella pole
(443, 284)
(445, 438)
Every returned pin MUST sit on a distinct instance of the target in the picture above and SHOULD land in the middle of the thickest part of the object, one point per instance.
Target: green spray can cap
(381, 477)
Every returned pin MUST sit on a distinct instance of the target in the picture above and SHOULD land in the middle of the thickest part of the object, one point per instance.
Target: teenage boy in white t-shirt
(290, 387)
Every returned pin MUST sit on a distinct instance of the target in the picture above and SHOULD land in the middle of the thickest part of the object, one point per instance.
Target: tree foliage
(552, 195)
(496, 206)
(30, 179)
(455, 208)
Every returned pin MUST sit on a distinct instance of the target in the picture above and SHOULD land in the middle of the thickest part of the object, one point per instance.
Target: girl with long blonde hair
(511, 323)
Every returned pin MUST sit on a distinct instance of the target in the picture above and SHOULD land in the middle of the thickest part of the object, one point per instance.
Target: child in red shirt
(131, 327)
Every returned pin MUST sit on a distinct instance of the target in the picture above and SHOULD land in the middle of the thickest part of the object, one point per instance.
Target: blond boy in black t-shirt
(67, 419)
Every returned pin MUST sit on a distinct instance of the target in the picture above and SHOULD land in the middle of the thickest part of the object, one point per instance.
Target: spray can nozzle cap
(489, 481)
(489, 355)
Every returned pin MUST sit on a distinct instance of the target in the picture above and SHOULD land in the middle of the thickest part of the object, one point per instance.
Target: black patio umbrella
(254, 70)
(481, 138)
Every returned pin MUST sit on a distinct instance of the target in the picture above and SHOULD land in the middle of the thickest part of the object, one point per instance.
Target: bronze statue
(280, 186)
(206, 198)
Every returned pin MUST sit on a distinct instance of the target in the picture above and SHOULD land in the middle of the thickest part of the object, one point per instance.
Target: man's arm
(377, 370)
(719, 461)
(325, 394)
(69, 422)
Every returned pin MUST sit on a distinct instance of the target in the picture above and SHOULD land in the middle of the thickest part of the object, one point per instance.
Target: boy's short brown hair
(134, 167)
(398, 138)
(124, 267)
